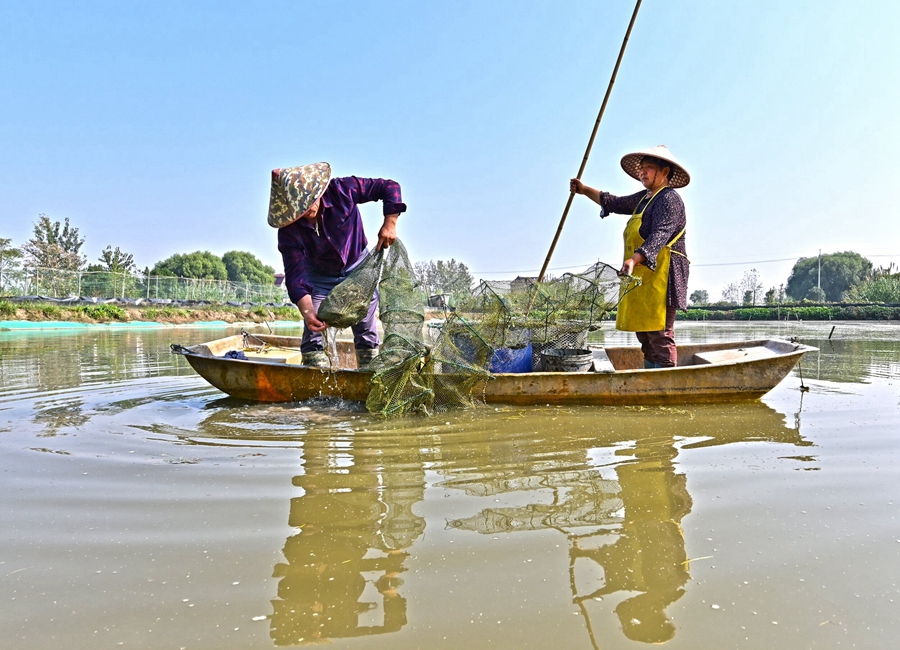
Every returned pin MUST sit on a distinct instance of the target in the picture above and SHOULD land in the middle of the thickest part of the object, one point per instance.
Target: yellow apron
(643, 309)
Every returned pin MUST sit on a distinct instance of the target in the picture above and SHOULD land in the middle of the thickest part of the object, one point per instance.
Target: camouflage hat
(294, 190)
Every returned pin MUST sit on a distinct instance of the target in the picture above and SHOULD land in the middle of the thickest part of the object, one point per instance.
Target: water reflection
(61, 413)
(59, 360)
(853, 361)
(624, 534)
(646, 553)
(604, 498)
(341, 577)
(606, 479)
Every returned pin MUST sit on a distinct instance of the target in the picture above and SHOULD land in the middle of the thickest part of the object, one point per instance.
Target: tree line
(57, 245)
(834, 277)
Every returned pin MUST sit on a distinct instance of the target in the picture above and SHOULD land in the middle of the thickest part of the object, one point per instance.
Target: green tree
(117, 261)
(751, 287)
(770, 296)
(246, 267)
(445, 277)
(700, 297)
(731, 293)
(883, 286)
(54, 246)
(9, 258)
(840, 273)
(199, 264)
(815, 294)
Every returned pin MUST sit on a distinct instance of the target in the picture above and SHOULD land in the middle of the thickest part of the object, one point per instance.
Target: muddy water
(141, 508)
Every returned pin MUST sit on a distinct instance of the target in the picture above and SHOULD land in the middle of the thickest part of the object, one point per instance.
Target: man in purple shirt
(321, 239)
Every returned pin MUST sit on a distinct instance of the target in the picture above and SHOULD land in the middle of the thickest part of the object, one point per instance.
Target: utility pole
(819, 283)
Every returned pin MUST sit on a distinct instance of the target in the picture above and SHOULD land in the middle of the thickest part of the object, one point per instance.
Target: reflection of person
(649, 555)
(321, 239)
(355, 523)
(654, 250)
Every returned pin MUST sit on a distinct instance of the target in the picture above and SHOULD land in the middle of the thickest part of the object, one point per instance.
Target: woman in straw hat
(321, 239)
(654, 250)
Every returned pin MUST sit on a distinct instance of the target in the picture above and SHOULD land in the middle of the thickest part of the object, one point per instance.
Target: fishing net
(558, 313)
(348, 303)
(500, 327)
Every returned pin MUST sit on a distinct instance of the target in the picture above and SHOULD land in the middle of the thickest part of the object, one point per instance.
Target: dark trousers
(659, 347)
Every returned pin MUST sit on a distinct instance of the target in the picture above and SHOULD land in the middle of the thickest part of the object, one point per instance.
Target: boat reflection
(608, 480)
(625, 540)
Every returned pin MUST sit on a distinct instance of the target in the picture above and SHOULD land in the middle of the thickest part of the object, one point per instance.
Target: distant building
(439, 300)
(279, 279)
(522, 282)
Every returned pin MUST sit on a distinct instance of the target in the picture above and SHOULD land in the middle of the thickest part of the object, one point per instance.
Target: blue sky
(154, 126)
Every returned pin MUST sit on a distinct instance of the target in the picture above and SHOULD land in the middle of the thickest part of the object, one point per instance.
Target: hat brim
(295, 190)
(631, 165)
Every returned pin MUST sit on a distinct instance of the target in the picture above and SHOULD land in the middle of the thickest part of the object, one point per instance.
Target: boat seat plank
(275, 356)
(602, 362)
(731, 356)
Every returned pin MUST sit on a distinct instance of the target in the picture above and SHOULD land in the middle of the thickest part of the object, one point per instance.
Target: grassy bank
(108, 313)
(799, 312)
(789, 312)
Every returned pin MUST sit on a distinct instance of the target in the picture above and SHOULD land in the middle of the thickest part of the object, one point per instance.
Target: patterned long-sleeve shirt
(339, 241)
(662, 220)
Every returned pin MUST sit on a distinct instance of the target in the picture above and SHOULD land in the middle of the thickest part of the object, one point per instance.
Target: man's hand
(388, 233)
(576, 186)
(310, 317)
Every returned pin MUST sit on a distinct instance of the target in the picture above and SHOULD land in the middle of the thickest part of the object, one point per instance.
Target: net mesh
(501, 325)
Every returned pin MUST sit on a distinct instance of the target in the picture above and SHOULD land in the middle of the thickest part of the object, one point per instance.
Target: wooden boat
(709, 372)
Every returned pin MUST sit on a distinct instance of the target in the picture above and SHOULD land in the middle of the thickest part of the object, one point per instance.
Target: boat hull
(751, 370)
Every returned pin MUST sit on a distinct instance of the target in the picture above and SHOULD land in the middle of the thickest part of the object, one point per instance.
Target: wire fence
(56, 283)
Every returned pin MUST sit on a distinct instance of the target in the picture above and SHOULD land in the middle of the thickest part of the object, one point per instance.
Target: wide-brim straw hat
(294, 190)
(631, 162)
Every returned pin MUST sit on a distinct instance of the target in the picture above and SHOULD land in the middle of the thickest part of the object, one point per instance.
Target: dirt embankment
(110, 313)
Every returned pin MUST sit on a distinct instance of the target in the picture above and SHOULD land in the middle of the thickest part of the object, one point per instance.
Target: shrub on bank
(102, 312)
(51, 311)
(811, 312)
(165, 313)
(287, 313)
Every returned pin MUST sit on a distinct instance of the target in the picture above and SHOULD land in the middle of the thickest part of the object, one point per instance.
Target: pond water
(144, 509)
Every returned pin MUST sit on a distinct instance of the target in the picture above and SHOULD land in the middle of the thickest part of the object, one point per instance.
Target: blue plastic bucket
(512, 360)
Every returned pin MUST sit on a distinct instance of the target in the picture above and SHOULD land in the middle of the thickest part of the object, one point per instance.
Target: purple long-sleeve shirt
(340, 240)
(664, 219)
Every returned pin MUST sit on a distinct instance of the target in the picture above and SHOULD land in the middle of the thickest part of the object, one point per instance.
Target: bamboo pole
(590, 144)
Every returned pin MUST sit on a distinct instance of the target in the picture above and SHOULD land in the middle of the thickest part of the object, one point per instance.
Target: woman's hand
(388, 233)
(578, 187)
(310, 317)
(629, 264)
